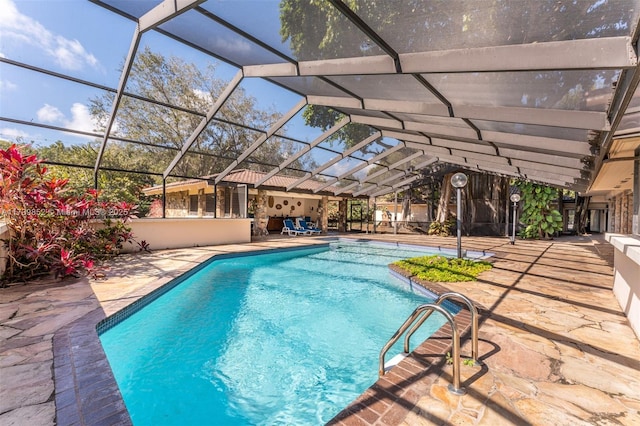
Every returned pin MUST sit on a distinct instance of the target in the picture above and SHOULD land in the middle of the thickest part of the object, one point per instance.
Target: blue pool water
(285, 338)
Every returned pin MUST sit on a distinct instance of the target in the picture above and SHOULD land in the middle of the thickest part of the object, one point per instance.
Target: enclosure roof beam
(128, 63)
(367, 190)
(537, 144)
(626, 88)
(347, 188)
(272, 130)
(305, 150)
(382, 192)
(337, 158)
(580, 54)
(573, 119)
(536, 157)
(375, 185)
(163, 12)
(387, 169)
(405, 182)
(396, 187)
(403, 173)
(237, 79)
(590, 120)
(364, 164)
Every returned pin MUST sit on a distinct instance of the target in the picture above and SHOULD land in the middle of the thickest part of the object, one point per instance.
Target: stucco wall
(626, 281)
(292, 207)
(189, 232)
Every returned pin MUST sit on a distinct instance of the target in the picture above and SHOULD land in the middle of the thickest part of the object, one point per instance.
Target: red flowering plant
(51, 232)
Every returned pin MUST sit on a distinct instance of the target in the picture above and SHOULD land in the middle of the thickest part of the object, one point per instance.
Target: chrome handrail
(455, 387)
(474, 323)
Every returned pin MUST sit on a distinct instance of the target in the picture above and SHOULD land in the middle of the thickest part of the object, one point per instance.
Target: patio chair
(308, 226)
(291, 229)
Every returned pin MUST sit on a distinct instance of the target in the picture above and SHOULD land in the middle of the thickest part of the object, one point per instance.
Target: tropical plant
(442, 229)
(541, 220)
(51, 231)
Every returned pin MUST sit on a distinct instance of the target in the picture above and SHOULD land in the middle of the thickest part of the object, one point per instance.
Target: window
(210, 204)
(235, 201)
(193, 205)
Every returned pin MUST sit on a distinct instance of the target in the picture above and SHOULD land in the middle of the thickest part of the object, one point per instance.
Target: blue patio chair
(291, 229)
(308, 226)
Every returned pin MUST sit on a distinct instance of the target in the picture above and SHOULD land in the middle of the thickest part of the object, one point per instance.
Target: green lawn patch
(438, 268)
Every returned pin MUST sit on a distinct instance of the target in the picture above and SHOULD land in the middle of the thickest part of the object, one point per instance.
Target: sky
(86, 41)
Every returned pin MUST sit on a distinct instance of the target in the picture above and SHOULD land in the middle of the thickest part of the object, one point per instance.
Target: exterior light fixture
(459, 181)
(514, 199)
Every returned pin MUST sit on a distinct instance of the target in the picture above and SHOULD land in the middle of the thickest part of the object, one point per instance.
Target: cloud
(6, 85)
(343, 166)
(12, 133)
(21, 29)
(80, 117)
(205, 96)
(236, 44)
(50, 114)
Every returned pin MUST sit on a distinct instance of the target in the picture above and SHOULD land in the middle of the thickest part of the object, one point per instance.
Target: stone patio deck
(556, 348)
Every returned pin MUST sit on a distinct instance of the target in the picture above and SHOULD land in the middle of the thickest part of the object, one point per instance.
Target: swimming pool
(281, 338)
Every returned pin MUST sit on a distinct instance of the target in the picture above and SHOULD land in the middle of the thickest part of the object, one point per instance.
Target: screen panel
(410, 26)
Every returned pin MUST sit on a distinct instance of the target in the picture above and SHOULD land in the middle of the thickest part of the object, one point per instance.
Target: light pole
(514, 198)
(459, 181)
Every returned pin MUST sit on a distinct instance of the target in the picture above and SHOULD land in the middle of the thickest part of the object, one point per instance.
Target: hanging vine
(540, 218)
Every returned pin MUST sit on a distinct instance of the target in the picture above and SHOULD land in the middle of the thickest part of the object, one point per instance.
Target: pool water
(287, 338)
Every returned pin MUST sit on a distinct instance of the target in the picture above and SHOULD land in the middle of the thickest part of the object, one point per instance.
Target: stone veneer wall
(261, 218)
(620, 212)
(324, 213)
(342, 215)
(221, 202)
(177, 204)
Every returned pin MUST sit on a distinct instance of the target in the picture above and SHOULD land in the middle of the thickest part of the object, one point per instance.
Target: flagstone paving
(555, 346)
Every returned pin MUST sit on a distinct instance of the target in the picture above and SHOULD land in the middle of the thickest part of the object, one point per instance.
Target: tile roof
(250, 177)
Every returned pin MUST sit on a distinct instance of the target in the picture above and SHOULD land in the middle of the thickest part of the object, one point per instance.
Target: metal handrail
(455, 387)
(474, 323)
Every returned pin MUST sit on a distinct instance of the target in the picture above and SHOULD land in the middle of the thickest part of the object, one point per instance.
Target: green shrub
(438, 268)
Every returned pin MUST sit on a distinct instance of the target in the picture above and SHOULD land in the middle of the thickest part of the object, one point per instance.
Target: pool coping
(86, 391)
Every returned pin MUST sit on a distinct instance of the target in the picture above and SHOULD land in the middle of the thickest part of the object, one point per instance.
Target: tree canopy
(190, 92)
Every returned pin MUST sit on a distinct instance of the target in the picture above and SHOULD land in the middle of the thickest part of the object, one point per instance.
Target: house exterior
(242, 193)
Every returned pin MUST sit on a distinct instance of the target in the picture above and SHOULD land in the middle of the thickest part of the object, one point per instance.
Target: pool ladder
(427, 309)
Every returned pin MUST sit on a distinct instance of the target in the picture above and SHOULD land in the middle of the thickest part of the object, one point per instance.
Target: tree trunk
(445, 195)
(483, 200)
(581, 215)
(406, 207)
